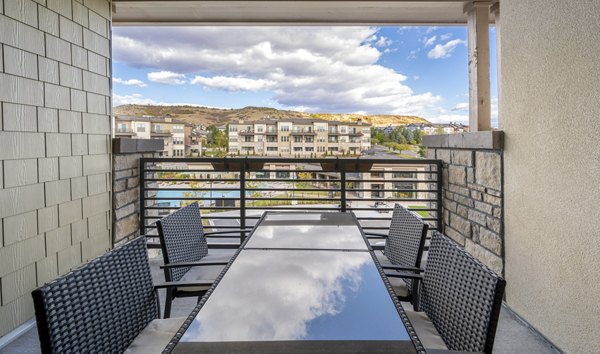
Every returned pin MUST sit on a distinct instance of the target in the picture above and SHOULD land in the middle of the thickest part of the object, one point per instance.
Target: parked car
(381, 206)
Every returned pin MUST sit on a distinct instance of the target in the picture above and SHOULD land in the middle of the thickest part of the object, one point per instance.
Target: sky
(367, 70)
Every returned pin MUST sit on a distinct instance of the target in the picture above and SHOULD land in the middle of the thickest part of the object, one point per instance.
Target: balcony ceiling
(336, 12)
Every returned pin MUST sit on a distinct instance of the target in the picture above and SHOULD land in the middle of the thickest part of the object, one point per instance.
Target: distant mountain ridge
(206, 115)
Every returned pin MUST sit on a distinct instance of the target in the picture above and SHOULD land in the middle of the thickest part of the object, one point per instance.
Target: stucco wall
(54, 144)
(550, 108)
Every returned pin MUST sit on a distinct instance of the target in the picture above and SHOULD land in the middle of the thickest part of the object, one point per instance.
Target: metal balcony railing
(233, 192)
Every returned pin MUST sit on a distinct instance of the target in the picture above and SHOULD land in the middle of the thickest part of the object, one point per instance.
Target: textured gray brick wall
(55, 173)
(473, 198)
(472, 201)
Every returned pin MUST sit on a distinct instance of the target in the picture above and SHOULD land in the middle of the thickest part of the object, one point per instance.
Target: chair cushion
(200, 273)
(399, 285)
(426, 331)
(155, 337)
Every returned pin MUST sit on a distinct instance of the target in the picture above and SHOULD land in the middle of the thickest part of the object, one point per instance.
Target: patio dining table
(301, 282)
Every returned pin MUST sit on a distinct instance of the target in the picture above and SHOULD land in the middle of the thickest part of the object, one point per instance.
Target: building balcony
(161, 133)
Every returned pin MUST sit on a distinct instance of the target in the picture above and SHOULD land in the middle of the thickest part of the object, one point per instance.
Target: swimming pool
(175, 194)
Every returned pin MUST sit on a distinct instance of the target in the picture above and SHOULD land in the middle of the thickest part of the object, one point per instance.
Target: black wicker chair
(403, 248)
(108, 305)
(460, 299)
(185, 253)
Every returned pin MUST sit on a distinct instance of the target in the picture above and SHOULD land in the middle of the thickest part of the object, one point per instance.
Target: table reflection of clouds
(307, 230)
(298, 295)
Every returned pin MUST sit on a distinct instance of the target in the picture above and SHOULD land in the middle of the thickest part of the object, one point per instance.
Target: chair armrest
(191, 264)
(375, 235)
(176, 284)
(395, 267)
(231, 231)
(377, 247)
(404, 275)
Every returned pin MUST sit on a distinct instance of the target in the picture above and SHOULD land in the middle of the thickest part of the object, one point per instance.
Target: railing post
(342, 186)
(142, 174)
(243, 199)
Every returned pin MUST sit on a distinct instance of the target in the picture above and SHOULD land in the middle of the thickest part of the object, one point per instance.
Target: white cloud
(416, 77)
(463, 107)
(137, 98)
(233, 83)
(450, 118)
(167, 77)
(444, 50)
(445, 36)
(339, 72)
(130, 82)
(429, 41)
(383, 42)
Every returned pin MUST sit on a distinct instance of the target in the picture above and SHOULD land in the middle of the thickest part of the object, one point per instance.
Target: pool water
(175, 202)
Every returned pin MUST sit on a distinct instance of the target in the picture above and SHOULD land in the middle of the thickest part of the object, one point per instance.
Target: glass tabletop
(298, 295)
(308, 230)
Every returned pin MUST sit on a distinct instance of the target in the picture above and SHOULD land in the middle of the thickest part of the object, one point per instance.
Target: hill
(206, 115)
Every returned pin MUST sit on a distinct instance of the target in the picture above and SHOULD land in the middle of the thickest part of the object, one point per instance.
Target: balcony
(160, 133)
(127, 132)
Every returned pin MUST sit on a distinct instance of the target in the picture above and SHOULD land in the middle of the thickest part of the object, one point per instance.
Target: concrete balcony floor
(512, 336)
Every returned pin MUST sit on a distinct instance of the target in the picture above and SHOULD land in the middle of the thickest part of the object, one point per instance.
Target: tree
(216, 138)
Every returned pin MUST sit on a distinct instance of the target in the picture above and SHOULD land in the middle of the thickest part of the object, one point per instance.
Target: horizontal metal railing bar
(192, 189)
(390, 200)
(351, 180)
(294, 189)
(391, 190)
(190, 179)
(290, 180)
(285, 207)
(273, 159)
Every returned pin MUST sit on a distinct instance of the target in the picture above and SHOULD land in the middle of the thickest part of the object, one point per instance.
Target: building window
(404, 175)
(309, 139)
(285, 138)
(297, 139)
(271, 139)
(178, 129)
(309, 149)
(248, 139)
(297, 148)
(233, 128)
(271, 148)
(141, 128)
(332, 149)
(285, 128)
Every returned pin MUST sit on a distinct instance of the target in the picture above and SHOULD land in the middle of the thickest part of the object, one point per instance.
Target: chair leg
(168, 300)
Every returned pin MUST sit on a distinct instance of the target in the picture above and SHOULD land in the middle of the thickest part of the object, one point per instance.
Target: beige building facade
(298, 137)
(176, 134)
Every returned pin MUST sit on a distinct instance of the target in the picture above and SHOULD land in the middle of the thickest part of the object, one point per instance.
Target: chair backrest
(182, 239)
(461, 296)
(100, 306)
(406, 239)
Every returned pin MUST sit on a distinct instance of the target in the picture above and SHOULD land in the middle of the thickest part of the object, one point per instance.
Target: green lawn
(424, 214)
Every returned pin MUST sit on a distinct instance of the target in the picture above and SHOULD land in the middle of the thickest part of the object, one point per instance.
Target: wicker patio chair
(108, 305)
(459, 299)
(403, 248)
(185, 252)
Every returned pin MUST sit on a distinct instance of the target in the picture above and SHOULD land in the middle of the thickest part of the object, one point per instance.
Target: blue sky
(369, 70)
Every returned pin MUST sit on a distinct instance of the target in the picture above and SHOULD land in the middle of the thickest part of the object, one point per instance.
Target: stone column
(473, 192)
(126, 184)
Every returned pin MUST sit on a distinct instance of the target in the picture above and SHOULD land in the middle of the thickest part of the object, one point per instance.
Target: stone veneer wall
(472, 192)
(126, 184)
(55, 107)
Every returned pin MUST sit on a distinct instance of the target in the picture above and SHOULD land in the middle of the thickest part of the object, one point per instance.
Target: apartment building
(298, 137)
(176, 134)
